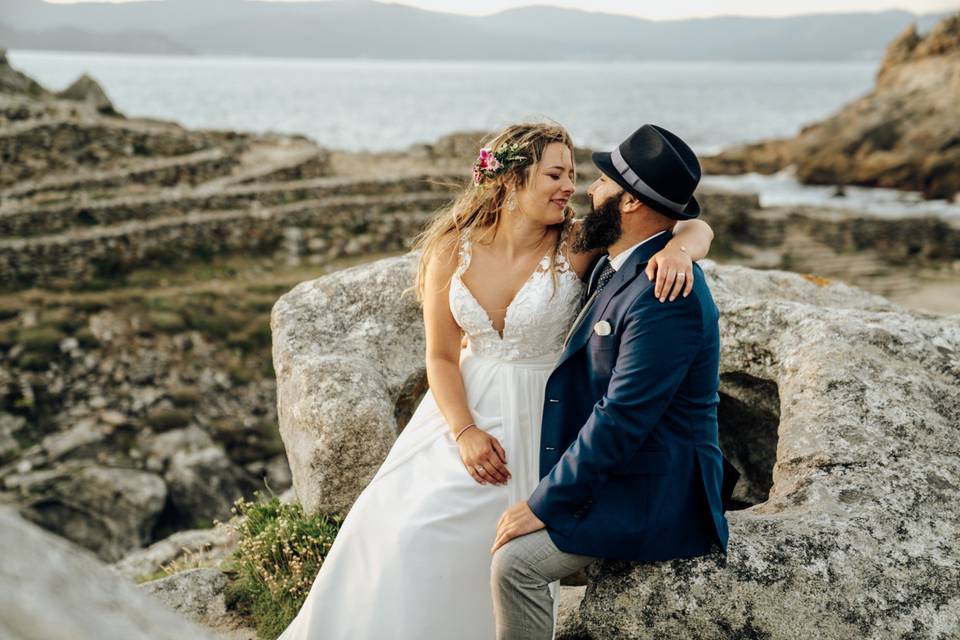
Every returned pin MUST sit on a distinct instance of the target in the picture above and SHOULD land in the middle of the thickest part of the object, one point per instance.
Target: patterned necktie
(587, 300)
(605, 274)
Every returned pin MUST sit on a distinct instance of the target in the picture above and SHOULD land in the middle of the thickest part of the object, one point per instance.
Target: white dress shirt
(617, 261)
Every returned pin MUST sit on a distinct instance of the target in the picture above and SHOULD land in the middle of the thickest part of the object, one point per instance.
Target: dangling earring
(512, 202)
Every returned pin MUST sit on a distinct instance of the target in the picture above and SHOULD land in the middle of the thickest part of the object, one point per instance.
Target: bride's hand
(673, 269)
(483, 456)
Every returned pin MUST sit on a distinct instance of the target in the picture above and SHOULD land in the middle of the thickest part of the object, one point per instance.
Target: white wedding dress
(412, 558)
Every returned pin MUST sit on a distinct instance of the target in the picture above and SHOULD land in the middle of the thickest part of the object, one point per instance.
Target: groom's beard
(601, 228)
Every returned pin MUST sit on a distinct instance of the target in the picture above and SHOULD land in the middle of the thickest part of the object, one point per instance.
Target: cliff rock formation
(904, 134)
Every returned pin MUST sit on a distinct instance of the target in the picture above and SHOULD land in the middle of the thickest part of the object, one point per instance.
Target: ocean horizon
(377, 105)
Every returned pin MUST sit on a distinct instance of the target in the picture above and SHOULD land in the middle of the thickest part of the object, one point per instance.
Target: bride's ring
(479, 469)
(681, 275)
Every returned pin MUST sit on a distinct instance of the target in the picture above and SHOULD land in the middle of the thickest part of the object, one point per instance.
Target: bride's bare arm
(695, 235)
(443, 341)
(691, 242)
(477, 448)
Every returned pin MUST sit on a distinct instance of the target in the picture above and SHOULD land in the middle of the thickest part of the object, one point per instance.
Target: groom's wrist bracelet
(460, 433)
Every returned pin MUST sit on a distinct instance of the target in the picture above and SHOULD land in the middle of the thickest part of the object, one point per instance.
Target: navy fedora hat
(656, 167)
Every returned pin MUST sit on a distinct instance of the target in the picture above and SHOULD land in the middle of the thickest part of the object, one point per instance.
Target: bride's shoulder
(443, 256)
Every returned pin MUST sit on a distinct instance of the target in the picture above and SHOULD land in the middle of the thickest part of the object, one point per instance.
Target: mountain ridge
(374, 30)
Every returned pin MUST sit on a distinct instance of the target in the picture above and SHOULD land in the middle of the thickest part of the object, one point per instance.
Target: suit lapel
(585, 302)
(597, 270)
(626, 274)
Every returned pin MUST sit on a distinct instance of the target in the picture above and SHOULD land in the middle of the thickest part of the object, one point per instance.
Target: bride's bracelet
(460, 433)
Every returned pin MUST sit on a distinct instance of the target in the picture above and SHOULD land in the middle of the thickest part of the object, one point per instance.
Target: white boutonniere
(602, 328)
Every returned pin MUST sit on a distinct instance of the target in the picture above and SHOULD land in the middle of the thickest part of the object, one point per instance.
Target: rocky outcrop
(53, 589)
(204, 484)
(196, 564)
(838, 406)
(107, 510)
(892, 256)
(904, 134)
(117, 430)
(86, 89)
(199, 595)
(16, 83)
(206, 547)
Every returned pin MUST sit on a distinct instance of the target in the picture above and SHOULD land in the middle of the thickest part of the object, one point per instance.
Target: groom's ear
(629, 203)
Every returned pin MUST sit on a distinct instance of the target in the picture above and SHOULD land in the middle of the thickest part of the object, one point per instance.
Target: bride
(412, 558)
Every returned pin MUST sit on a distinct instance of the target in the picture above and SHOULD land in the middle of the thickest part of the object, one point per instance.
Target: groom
(629, 456)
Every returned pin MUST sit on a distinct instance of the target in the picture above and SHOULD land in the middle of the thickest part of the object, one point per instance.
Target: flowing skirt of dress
(412, 558)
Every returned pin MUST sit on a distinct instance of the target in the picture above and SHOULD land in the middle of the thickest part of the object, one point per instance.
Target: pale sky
(677, 9)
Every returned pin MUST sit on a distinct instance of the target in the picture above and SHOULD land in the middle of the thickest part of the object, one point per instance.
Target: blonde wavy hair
(478, 208)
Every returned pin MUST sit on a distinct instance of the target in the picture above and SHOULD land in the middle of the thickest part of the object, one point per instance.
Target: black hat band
(637, 183)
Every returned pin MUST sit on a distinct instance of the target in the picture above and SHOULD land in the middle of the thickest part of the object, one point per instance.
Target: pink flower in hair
(491, 163)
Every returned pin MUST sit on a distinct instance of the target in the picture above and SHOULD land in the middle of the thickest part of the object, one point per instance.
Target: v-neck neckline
(506, 313)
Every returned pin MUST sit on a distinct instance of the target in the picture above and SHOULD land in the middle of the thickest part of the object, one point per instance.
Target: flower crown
(490, 163)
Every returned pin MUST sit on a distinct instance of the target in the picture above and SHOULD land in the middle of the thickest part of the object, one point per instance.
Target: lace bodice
(537, 319)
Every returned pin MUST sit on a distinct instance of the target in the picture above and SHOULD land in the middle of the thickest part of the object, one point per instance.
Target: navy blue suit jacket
(630, 463)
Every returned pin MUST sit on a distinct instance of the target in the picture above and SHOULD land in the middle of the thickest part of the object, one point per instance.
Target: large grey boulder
(54, 589)
(840, 408)
(348, 354)
(854, 538)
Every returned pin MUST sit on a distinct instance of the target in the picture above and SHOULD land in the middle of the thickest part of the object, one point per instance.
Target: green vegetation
(63, 318)
(165, 321)
(33, 361)
(279, 553)
(41, 340)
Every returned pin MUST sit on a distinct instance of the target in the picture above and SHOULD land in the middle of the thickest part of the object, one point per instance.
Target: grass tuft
(279, 553)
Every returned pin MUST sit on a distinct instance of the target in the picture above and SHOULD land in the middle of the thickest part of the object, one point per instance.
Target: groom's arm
(659, 342)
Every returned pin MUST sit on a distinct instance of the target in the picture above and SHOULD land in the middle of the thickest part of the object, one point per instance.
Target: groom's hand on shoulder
(516, 521)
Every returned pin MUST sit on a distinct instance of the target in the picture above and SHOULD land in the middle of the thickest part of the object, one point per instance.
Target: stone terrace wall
(33, 220)
(33, 149)
(327, 230)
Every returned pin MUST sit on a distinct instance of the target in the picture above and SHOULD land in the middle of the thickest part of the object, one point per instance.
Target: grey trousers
(520, 574)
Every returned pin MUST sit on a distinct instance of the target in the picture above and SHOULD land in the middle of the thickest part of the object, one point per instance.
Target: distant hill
(72, 39)
(367, 29)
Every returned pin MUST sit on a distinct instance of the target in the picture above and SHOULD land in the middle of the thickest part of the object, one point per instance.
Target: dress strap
(563, 250)
(464, 253)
